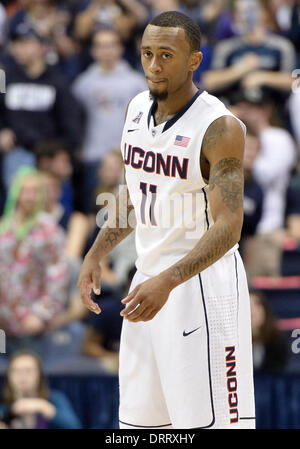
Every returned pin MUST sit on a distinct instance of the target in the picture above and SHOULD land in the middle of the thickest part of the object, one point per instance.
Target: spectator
(76, 225)
(270, 349)
(293, 207)
(272, 171)
(76, 230)
(74, 245)
(294, 34)
(104, 90)
(38, 104)
(52, 157)
(34, 271)
(2, 24)
(124, 15)
(206, 13)
(294, 112)
(157, 7)
(28, 403)
(69, 318)
(53, 22)
(282, 12)
(277, 158)
(231, 23)
(110, 173)
(257, 58)
(253, 198)
(52, 194)
(55, 163)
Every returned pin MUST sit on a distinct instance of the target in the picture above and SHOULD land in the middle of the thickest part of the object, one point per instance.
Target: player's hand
(89, 279)
(146, 300)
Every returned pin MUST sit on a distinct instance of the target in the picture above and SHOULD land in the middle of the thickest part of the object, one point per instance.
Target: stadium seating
(290, 258)
(283, 294)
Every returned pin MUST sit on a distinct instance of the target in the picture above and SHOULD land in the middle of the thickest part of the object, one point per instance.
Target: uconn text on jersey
(152, 162)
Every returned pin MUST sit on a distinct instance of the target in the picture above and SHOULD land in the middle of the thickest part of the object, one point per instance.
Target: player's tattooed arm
(120, 223)
(213, 245)
(227, 175)
(223, 148)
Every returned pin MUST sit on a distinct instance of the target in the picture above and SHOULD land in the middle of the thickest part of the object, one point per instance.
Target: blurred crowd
(71, 67)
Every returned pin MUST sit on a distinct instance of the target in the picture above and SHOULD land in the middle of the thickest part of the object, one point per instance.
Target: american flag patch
(182, 141)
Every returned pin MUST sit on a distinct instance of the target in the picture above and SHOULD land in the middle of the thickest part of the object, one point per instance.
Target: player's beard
(159, 96)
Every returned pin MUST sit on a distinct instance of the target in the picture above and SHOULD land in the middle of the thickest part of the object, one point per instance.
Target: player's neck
(174, 103)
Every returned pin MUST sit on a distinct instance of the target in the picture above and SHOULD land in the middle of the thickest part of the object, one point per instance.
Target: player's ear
(195, 60)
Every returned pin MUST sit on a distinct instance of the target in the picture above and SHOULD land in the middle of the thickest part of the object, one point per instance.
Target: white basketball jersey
(165, 184)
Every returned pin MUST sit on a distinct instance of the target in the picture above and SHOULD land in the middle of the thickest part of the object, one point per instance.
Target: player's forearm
(219, 239)
(111, 235)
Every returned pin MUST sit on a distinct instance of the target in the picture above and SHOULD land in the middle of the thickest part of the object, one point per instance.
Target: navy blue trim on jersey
(206, 205)
(208, 358)
(150, 112)
(145, 427)
(237, 286)
(177, 116)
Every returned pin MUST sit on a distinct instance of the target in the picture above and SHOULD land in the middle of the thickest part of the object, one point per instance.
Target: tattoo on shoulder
(213, 133)
(227, 174)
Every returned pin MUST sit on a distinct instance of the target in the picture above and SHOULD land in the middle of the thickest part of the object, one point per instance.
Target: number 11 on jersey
(152, 190)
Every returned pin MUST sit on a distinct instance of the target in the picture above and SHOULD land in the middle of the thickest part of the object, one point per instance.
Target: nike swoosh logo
(130, 130)
(185, 334)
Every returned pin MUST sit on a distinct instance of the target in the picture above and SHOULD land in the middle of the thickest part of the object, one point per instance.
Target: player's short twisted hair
(177, 19)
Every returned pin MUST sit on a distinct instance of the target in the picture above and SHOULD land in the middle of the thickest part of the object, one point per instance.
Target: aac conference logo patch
(138, 117)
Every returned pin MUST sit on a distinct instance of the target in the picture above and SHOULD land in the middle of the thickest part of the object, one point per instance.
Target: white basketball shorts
(191, 365)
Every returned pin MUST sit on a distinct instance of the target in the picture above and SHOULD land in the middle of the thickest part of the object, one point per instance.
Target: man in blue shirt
(257, 58)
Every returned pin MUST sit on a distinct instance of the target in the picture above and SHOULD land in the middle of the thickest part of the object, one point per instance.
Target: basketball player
(185, 355)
